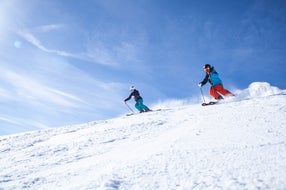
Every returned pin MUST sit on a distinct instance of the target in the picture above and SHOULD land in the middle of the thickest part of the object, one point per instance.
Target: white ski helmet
(132, 88)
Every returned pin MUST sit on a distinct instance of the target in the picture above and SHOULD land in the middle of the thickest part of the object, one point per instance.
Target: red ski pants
(217, 90)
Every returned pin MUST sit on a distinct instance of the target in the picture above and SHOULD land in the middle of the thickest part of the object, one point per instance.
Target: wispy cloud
(10, 120)
(115, 54)
(14, 121)
(24, 87)
(98, 53)
(48, 28)
(4, 94)
(33, 40)
(17, 123)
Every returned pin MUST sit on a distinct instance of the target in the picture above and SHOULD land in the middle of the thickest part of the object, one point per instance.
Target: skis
(205, 103)
(208, 104)
(129, 114)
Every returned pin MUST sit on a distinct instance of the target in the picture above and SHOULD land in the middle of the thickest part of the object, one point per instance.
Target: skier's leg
(144, 107)
(223, 91)
(139, 105)
(213, 92)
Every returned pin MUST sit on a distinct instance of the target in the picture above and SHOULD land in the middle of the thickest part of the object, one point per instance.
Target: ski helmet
(207, 66)
(132, 88)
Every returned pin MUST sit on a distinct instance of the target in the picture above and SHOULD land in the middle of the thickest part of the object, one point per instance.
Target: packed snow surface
(239, 143)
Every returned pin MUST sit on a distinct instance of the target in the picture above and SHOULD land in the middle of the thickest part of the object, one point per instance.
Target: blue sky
(66, 62)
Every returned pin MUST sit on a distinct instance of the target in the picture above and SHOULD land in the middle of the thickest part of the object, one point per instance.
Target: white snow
(237, 144)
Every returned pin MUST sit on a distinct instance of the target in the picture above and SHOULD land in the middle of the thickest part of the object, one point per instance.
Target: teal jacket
(212, 78)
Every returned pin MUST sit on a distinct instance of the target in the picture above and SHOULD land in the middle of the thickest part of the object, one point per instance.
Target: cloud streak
(48, 28)
(24, 87)
(33, 40)
(96, 53)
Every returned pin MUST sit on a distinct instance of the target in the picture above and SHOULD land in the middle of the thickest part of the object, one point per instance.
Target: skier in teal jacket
(138, 99)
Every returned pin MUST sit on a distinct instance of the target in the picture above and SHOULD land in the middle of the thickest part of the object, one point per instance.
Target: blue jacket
(212, 78)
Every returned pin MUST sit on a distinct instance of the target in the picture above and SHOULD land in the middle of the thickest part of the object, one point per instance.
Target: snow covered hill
(237, 144)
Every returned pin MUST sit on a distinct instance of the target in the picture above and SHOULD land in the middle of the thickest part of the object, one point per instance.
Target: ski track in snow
(238, 144)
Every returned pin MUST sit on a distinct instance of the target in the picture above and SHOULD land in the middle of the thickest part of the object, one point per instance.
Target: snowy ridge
(238, 144)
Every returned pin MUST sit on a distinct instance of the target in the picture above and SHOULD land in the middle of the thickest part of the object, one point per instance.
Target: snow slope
(237, 144)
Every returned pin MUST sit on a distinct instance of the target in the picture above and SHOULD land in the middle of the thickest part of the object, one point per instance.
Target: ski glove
(200, 84)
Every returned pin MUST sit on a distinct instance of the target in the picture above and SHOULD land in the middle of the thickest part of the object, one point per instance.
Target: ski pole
(202, 94)
(129, 107)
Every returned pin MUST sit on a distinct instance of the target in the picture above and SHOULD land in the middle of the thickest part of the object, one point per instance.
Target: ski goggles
(207, 68)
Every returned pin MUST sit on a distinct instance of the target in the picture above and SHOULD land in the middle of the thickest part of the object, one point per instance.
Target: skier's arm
(205, 80)
(129, 97)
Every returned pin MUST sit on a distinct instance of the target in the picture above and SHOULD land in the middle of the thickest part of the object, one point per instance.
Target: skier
(138, 99)
(217, 88)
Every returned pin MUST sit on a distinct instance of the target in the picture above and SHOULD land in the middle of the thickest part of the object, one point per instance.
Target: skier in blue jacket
(217, 88)
(138, 99)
